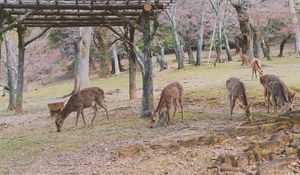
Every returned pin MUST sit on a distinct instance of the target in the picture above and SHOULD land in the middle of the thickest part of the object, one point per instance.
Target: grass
(199, 82)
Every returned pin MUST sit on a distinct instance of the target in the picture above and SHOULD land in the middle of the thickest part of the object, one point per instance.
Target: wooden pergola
(76, 13)
(131, 14)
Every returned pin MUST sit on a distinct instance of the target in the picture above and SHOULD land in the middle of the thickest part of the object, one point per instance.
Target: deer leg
(95, 113)
(77, 116)
(275, 104)
(175, 108)
(168, 114)
(232, 104)
(82, 115)
(181, 106)
(268, 98)
(100, 103)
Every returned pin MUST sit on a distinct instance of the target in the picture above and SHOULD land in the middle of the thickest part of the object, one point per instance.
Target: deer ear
(293, 95)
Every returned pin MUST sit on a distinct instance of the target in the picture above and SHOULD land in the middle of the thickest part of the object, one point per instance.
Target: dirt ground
(29, 144)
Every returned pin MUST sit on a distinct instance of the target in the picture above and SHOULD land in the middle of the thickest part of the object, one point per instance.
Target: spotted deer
(245, 60)
(171, 94)
(236, 90)
(279, 93)
(256, 67)
(265, 79)
(85, 98)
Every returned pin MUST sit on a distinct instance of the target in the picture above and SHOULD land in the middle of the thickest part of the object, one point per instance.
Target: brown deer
(245, 60)
(256, 67)
(279, 94)
(170, 95)
(221, 59)
(265, 79)
(236, 90)
(85, 98)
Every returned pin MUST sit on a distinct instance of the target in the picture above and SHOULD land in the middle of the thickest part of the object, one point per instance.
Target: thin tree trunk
(147, 100)
(228, 52)
(115, 59)
(179, 55)
(190, 52)
(132, 66)
(237, 44)
(82, 73)
(296, 26)
(201, 31)
(266, 50)
(1, 41)
(104, 60)
(282, 44)
(211, 42)
(10, 77)
(20, 82)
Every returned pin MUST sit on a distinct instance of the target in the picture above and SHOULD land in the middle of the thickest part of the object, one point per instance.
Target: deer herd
(171, 95)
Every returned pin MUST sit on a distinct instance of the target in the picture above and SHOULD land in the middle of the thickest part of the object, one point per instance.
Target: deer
(245, 60)
(256, 67)
(236, 90)
(171, 94)
(221, 59)
(85, 98)
(265, 79)
(279, 93)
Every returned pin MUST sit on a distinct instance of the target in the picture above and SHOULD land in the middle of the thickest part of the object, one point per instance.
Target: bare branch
(36, 37)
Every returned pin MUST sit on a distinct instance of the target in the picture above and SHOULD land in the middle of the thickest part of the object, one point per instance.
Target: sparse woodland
(198, 87)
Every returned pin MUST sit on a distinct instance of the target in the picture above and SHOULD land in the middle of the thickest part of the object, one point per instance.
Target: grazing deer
(221, 59)
(170, 95)
(4, 90)
(82, 99)
(236, 90)
(256, 67)
(279, 94)
(245, 60)
(265, 79)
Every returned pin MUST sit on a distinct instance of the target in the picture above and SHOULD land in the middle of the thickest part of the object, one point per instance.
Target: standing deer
(279, 94)
(221, 59)
(245, 60)
(170, 95)
(256, 67)
(236, 90)
(265, 79)
(85, 98)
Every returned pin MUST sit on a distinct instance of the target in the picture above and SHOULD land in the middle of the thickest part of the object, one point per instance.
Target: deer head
(247, 109)
(154, 119)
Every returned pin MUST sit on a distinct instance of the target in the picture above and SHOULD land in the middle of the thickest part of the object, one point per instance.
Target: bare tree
(296, 26)
(172, 18)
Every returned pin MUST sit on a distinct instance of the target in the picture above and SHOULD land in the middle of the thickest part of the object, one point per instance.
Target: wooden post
(20, 82)
(132, 66)
(147, 101)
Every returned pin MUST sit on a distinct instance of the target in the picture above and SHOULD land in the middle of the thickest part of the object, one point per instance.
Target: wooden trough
(56, 106)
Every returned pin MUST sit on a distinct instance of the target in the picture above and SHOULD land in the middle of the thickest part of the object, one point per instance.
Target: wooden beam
(45, 6)
(17, 22)
(74, 25)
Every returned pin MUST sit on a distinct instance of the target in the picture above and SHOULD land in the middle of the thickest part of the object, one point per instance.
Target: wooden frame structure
(133, 14)
(77, 13)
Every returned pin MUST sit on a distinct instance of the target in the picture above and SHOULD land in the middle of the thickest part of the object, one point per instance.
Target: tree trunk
(296, 26)
(147, 100)
(245, 26)
(227, 46)
(218, 40)
(82, 54)
(201, 31)
(211, 42)
(1, 41)
(104, 60)
(256, 42)
(179, 55)
(285, 39)
(190, 52)
(266, 50)
(132, 66)
(237, 44)
(115, 59)
(10, 77)
(20, 82)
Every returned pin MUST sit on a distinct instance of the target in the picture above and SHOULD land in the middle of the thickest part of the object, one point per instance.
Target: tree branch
(130, 22)
(36, 37)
